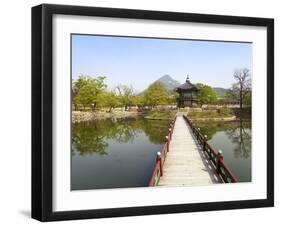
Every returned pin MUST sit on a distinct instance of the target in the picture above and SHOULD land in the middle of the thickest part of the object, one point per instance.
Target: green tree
(248, 98)
(87, 91)
(77, 85)
(111, 100)
(173, 97)
(206, 95)
(126, 95)
(139, 101)
(199, 85)
(156, 94)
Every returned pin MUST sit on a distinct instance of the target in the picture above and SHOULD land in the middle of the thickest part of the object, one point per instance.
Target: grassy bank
(156, 115)
(222, 113)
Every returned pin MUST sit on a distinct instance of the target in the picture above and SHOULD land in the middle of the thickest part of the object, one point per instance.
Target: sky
(140, 61)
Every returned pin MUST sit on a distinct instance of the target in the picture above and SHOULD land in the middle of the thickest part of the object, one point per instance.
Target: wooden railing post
(205, 141)
(198, 133)
(170, 133)
(168, 143)
(219, 159)
(160, 162)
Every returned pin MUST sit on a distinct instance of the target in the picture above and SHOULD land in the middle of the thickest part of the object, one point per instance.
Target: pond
(115, 153)
(234, 139)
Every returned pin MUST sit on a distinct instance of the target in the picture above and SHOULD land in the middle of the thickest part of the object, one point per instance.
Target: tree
(77, 85)
(242, 87)
(247, 100)
(156, 94)
(87, 91)
(173, 97)
(139, 101)
(111, 100)
(126, 95)
(206, 94)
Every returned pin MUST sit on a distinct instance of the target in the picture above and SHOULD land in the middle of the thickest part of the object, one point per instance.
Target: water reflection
(241, 136)
(239, 132)
(234, 139)
(115, 153)
(91, 137)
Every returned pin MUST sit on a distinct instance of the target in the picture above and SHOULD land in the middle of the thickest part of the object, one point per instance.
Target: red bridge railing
(215, 157)
(161, 157)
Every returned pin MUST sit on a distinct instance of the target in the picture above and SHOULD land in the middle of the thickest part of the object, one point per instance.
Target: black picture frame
(42, 111)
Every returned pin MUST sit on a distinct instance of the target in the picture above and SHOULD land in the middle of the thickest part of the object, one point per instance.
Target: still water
(234, 139)
(121, 153)
(115, 153)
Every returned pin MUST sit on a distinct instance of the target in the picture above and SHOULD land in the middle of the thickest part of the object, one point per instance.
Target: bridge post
(159, 158)
(205, 140)
(170, 133)
(168, 143)
(219, 159)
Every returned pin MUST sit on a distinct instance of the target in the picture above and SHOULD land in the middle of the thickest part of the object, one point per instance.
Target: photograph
(147, 112)
(159, 112)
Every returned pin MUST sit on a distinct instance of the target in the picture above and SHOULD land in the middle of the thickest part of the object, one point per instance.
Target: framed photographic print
(145, 112)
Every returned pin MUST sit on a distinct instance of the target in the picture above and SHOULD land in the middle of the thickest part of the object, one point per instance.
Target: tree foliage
(247, 100)
(126, 95)
(92, 93)
(206, 94)
(87, 91)
(139, 101)
(156, 94)
(111, 100)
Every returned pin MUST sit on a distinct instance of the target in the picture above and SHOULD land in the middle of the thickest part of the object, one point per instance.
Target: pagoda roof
(187, 86)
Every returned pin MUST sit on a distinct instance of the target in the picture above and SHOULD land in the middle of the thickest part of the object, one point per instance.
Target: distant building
(187, 94)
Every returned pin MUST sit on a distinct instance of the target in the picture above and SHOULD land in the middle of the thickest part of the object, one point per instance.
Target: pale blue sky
(140, 61)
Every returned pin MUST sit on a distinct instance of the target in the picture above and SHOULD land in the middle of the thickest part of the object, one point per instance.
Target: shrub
(224, 111)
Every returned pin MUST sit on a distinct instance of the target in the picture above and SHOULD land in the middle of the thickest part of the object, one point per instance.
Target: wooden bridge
(187, 159)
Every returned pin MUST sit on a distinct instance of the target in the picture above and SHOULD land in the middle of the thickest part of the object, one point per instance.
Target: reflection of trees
(156, 130)
(91, 137)
(238, 131)
(87, 140)
(211, 127)
(241, 137)
(119, 130)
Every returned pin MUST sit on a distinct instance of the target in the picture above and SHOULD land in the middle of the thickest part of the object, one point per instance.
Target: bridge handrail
(222, 169)
(160, 160)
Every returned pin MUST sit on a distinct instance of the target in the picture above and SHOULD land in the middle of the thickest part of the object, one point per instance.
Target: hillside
(169, 82)
(220, 91)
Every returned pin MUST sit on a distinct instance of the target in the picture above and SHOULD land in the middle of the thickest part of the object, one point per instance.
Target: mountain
(169, 82)
(220, 91)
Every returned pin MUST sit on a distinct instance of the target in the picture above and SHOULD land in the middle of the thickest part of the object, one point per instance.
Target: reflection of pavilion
(187, 94)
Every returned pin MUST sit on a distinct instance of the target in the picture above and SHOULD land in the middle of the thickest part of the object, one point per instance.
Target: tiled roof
(186, 86)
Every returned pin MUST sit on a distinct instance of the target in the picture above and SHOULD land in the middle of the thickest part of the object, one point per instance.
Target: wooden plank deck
(186, 164)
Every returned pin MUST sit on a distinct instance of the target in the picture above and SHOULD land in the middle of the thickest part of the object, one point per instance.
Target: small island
(160, 101)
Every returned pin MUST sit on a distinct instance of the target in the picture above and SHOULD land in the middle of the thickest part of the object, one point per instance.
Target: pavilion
(187, 94)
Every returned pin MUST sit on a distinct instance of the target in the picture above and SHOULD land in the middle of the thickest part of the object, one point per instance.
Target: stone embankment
(226, 119)
(81, 116)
